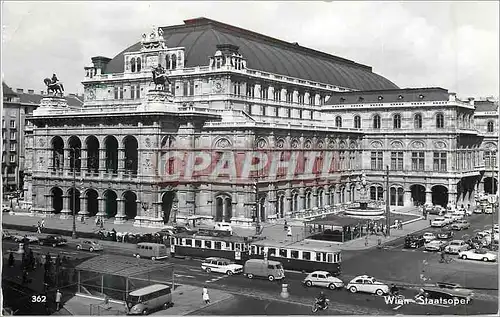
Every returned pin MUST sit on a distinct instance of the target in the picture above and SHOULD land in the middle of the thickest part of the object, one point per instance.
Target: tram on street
(308, 257)
(298, 256)
(203, 246)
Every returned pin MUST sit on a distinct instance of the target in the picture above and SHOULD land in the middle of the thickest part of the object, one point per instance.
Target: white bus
(148, 299)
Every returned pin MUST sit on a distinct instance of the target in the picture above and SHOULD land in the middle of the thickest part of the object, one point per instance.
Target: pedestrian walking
(58, 300)
(39, 227)
(366, 241)
(289, 233)
(82, 219)
(97, 221)
(285, 226)
(42, 224)
(205, 296)
(11, 259)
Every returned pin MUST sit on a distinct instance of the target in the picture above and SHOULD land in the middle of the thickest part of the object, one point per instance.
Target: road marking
(194, 270)
(215, 279)
(180, 275)
(398, 307)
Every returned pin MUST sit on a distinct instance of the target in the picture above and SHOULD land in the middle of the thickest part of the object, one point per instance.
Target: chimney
(19, 90)
(100, 63)
(471, 101)
(31, 91)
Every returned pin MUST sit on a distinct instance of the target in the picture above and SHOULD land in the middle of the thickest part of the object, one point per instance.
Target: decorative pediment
(353, 145)
(417, 145)
(261, 143)
(342, 145)
(295, 143)
(491, 146)
(376, 144)
(308, 144)
(332, 144)
(222, 143)
(397, 145)
(440, 145)
(320, 144)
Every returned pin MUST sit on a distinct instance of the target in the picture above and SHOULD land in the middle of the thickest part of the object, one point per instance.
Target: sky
(453, 45)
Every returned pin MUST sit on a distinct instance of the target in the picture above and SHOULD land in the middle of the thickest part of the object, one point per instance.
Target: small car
(429, 236)
(478, 210)
(223, 226)
(367, 284)
(439, 222)
(444, 291)
(445, 234)
(456, 216)
(456, 246)
(322, 279)
(478, 254)
(221, 265)
(53, 241)
(488, 210)
(435, 246)
(413, 241)
(437, 210)
(89, 245)
(460, 225)
(449, 219)
(5, 208)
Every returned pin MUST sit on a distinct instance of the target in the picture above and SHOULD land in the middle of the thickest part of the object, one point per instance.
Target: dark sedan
(446, 234)
(413, 241)
(53, 241)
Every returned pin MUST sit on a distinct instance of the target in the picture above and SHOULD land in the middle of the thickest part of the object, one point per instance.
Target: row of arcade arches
(93, 148)
(110, 204)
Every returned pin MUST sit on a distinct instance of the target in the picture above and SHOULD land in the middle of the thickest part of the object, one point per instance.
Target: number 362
(38, 299)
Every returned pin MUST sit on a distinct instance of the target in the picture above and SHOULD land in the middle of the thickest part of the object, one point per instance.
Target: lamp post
(387, 208)
(73, 154)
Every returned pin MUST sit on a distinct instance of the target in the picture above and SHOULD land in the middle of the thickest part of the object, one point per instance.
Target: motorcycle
(317, 306)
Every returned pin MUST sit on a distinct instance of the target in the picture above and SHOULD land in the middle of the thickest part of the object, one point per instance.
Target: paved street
(392, 264)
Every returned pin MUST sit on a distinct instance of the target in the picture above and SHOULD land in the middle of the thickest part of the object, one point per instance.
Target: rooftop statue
(53, 84)
(160, 77)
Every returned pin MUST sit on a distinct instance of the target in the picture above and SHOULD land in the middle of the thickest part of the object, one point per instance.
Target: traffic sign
(492, 199)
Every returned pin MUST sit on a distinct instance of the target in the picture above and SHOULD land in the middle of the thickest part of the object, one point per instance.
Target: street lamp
(73, 154)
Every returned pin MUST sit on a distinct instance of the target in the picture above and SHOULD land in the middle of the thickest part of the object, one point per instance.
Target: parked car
(445, 234)
(478, 254)
(53, 240)
(488, 210)
(456, 246)
(460, 225)
(223, 226)
(155, 251)
(20, 238)
(5, 208)
(414, 241)
(322, 279)
(89, 245)
(439, 222)
(221, 265)
(435, 245)
(478, 210)
(457, 216)
(464, 212)
(429, 236)
(367, 284)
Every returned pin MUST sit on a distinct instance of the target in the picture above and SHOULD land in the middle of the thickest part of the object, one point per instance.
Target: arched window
(295, 202)
(380, 193)
(397, 121)
(417, 121)
(357, 122)
(439, 121)
(308, 200)
(490, 126)
(132, 65)
(392, 200)
(138, 64)
(376, 122)
(173, 60)
(373, 193)
(167, 59)
(338, 122)
(400, 196)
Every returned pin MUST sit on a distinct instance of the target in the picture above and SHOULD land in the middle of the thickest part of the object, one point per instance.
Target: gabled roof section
(7, 91)
(201, 36)
(486, 105)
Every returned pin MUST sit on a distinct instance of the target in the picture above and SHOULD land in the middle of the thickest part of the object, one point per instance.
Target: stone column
(288, 202)
(407, 197)
(349, 193)
(256, 91)
(452, 198)
(66, 212)
(120, 211)
(316, 99)
(315, 201)
(295, 96)
(83, 160)
(102, 161)
(306, 98)
(224, 209)
(325, 195)
(121, 161)
(283, 95)
(83, 207)
(428, 196)
(101, 208)
(66, 162)
(302, 199)
(48, 203)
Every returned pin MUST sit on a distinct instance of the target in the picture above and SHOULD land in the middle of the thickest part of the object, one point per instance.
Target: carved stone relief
(376, 144)
(320, 144)
(222, 143)
(280, 144)
(397, 145)
(295, 143)
(440, 145)
(418, 145)
(307, 144)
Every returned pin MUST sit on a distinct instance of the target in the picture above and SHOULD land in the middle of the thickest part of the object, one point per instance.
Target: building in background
(236, 91)
(17, 106)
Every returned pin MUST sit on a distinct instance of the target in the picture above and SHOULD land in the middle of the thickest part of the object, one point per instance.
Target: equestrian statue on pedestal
(54, 85)
(160, 77)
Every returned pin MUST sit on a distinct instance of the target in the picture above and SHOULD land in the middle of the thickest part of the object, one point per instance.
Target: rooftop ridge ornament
(153, 40)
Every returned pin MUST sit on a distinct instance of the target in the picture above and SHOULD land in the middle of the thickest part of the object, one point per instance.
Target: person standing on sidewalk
(58, 300)
(42, 224)
(289, 233)
(205, 296)
(366, 240)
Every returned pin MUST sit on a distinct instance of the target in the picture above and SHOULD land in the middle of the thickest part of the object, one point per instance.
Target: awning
(120, 265)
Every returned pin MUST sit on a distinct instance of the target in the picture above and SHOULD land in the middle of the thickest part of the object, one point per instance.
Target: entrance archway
(418, 194)
(111, 145)
(92, 202)
(440, 195)
(57, 199)
(130, 204)
(110, 203)
(488, 183)
(167, 201)
(223, 208)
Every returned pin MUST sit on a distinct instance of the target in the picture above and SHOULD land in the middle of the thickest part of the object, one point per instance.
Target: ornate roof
(486, 105)
(200, 37)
